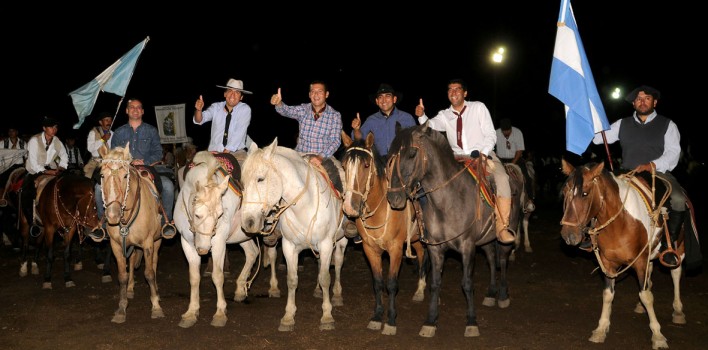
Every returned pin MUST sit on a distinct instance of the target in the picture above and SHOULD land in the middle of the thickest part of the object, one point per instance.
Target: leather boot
(670, 258)
(505, 234)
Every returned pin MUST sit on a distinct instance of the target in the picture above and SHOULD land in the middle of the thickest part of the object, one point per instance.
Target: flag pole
(607, 150)
(147, 39)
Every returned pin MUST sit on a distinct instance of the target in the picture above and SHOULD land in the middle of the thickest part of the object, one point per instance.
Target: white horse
(282, 189)
(207, 216)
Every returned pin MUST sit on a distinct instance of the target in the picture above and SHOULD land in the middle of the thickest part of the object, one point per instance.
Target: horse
(382, 228)
(458, 215)
(207, 216)
(9, 209)
(65, 205)
(133, 220)
(624, 233)
(283, 190)
(522, 207)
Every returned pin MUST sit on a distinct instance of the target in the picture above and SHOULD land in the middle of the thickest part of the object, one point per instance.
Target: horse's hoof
(106, 279)
(374, 325)
(286, 327)
(389, 330)
(157, 313)
(188, 322)
(318, 293)
(239, 297)
(219, 321)
(678, 318)
(489, 301)
(47, 285)
(528, 250)
(35, 269)
(503, 304)
(658, 341)
(69, 284)
(274, 293)
(598, 337)
(118, 318)
(100, 266)
(471, 331)
(427, 331)
(130, 295)
(639, 308)
(328, 326)
(337, 301)
(78, 266)
(419, 297)
(23, 270)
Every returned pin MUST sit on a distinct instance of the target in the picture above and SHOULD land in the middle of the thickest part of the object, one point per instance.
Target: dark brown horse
(625, 233)
(65, 206)
(382, 229)
(458, 215)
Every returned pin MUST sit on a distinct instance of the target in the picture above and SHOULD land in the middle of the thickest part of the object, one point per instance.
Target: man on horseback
(319, 137)
(470, 132)
(98, 136)
(651, 143)
(145, 149)
(46, 156)
(510, 149)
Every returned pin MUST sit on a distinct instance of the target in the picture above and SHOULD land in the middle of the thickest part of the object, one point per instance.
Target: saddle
(649, 193)
(480, 174)
(331, 174)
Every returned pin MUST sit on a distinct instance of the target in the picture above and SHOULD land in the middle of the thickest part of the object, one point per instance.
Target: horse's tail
(207, 158)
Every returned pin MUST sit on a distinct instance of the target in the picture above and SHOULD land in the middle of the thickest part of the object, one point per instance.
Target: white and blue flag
(572, 83)
(114, 79)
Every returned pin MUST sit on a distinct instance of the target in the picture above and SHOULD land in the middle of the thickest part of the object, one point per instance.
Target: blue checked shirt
(322, 136)
(144, 142)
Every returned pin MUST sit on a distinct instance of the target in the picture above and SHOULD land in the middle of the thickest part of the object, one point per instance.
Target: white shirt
(516, 143)
(94, 142)
(478, 131)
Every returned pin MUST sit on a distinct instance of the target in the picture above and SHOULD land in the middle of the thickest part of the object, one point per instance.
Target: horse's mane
(205, 164)
(405, 138)
(257, 157)
(117, 153)
(379, 161)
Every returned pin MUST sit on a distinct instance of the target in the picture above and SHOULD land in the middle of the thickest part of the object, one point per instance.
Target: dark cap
(647, 90)
(387, 89)
(49, 121)
(104, 115)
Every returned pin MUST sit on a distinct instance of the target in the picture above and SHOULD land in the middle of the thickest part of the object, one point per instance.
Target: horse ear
(370, 139)
(346, 140)
(597, 170)
(425, 126)
(103, 150)
(126, 151)
(566, 167)
(270, 150)
(252, 147)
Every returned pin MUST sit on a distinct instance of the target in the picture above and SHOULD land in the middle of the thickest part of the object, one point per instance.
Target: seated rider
(46, 156)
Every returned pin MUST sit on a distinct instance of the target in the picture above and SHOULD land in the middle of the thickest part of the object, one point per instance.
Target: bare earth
(555, 304)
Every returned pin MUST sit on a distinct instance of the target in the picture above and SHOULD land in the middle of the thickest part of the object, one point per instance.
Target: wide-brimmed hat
(386, 89)
(647, 90)
(234, 84)
(49, 121)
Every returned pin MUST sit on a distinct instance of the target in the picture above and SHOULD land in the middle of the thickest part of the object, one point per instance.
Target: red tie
(318, 113)
(459, 125)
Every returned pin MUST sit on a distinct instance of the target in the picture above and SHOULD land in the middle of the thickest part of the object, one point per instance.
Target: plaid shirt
(321, 136)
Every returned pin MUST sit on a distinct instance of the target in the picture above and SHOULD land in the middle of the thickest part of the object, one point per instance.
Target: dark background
(353, 47)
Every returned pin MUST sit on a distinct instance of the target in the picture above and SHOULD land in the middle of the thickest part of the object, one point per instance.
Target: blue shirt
(144, 142)
(384, 128)
(321, 136)
(240, 119)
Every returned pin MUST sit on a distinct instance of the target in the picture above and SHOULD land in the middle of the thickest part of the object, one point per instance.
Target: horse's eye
(260, 179)
(367, 165)
(125, 176)
(585, 194)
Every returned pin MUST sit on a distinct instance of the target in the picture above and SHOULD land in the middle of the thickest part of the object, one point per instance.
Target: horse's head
(364, 170)
(407, 163)
(206, 210)
(262, 187)
(582, 200)
(115, 182)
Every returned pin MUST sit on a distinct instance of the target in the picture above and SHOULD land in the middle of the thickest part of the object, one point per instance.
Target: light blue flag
(114, 79)
(572, 83)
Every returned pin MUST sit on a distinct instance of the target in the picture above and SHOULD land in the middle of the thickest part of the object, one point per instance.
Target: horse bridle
(212, 214)
(367, 187)
(76, 219)
(395, 163)
(125, 224)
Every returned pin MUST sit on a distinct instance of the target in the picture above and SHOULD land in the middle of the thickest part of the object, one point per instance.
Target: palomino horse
(382, 229)
(625, 234)
(456, 216)
(207, 216)
(282, 189)
(65, 205)
(132, 213)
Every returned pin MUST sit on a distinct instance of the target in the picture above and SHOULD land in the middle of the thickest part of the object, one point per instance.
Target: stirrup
(510, 232)
(671, 254)
(98, 234)
(168, 230)
(35, 231)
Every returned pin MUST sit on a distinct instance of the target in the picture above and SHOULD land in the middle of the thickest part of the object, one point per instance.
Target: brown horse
(382, 229)
(132, 203)
(65, 205)
(625, 233)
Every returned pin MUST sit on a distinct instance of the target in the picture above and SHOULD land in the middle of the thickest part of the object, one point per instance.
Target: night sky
(354, 48)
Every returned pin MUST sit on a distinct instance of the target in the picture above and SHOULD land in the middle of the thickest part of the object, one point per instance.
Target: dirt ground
(555, 303)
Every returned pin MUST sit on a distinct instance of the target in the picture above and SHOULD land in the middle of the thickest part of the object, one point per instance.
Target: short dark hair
(505, 124)
(458, 81)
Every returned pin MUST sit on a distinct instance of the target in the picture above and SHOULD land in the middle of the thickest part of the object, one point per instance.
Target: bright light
(498, 56)
(616, 93)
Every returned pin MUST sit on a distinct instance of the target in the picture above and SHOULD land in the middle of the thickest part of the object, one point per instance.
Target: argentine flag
(114, 79)
(572, 83)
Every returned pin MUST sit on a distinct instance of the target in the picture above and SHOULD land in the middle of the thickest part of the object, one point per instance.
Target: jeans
(168, 197)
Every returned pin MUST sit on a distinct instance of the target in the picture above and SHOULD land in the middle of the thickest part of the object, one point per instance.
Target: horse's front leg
(490, 298)
(374, 255)
(68, 268)
(678, 317)
(324, 278)
(272, 254)
(49, 247)
(471, 328)
(150, 250)
(503, 252)
(218, 252)
(422, 261)
(603, 325)
(287, 323)
(395, 254)
(189, 318)
(340, 249)
(437, 258)
(658, 341)
(121, 262)
(250, 249)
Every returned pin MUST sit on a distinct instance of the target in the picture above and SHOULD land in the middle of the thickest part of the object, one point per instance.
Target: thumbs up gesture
(420, 109)
(199, 105)
(276, 99)
(356, 122)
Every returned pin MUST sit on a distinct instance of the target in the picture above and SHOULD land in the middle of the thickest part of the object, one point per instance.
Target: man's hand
(316, 160)
(276, 99)
(356, 122)
(420, 109)
(199, 105)
(650, 167)
(137, 162)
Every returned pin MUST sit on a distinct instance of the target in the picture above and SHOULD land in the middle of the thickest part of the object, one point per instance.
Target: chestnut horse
(382, 229)
(458, 215)
(625, 234)
(132, 213)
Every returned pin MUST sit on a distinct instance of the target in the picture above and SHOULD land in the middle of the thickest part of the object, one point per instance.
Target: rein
(76, 219)
(125, 226)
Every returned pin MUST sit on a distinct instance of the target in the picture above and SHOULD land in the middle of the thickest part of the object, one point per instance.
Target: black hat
(49, 121)
(104, 115)
(387, 89)
(647, 90)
